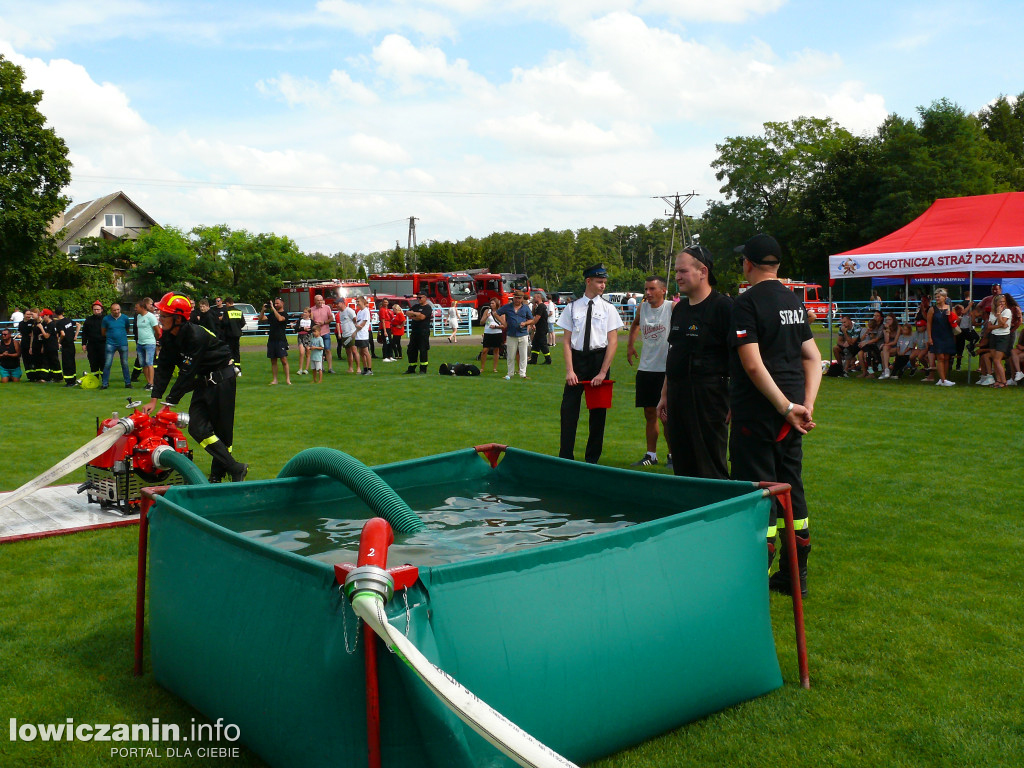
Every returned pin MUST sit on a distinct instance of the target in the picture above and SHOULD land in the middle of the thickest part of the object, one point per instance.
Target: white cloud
(377, 150)
(535, 134)
(399, 60)
(30, 27)
(365, 19)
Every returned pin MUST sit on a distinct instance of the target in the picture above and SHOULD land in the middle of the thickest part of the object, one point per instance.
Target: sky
(333, 122)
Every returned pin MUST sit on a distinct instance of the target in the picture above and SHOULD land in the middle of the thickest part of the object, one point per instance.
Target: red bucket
(599, 396)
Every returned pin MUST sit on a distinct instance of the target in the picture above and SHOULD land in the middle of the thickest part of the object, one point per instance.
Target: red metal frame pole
(783, 492)
(148, 497)
(372, 698)
(374, 541)
(795, 588)
(491, 451)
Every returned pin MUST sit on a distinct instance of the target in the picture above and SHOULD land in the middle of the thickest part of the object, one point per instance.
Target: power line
(195, 184)
(355, 229)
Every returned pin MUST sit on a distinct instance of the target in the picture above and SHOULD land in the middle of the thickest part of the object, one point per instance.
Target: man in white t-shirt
(651, 324)
(345, 328)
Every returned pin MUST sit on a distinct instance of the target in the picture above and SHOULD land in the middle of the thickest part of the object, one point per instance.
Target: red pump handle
(373, 544)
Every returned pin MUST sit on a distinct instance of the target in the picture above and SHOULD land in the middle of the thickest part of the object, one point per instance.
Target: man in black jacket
(205, 367)
(92, 339)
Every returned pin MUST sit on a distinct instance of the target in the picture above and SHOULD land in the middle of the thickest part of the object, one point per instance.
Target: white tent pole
(828, 316)
(970, 290)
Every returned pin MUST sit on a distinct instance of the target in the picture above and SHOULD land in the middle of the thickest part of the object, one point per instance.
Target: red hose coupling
(371, 573)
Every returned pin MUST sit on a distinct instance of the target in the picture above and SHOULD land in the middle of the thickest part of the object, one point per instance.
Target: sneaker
(885, 375)
(1018, 376)
(1011, 383)
(104, 386)
(508, 378)
(987, 380)
(947, 383)
(646, 461)
(148, 388)
(128, 385)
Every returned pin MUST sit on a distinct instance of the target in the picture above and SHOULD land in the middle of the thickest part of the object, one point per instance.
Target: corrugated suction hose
(168, 458)
(367, 484)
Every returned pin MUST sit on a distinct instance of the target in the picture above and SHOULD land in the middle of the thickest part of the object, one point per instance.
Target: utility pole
(684, 228)
(410, 250)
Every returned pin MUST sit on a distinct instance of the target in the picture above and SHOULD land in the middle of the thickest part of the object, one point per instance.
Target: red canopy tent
(970, 237)
(956, 235)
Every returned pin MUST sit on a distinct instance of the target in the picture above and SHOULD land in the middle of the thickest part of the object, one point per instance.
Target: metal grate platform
(57, 509)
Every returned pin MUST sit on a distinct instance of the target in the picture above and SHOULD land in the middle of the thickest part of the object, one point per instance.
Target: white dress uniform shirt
(603, 319)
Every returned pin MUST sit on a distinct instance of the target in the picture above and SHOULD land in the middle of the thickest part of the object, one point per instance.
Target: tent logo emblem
(849, 267)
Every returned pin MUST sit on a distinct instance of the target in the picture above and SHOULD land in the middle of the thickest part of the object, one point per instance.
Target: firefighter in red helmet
(205, 367)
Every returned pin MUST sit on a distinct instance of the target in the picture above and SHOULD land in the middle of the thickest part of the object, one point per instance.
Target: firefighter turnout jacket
(199, 356)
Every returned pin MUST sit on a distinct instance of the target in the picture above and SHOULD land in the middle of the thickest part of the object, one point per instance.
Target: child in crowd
(890, 335)
(302, 328)
(316, 354)
(904, 346)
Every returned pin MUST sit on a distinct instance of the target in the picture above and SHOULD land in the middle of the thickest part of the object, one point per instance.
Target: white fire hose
(492, 725)
(95, 447)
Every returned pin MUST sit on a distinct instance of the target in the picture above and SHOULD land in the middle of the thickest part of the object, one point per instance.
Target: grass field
(915, 621)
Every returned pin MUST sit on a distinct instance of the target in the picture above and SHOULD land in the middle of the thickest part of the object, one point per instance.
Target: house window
(74, 250)
(113, 219)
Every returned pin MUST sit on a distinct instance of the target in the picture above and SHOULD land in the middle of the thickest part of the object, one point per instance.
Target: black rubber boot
(222, 455)
(780, 582)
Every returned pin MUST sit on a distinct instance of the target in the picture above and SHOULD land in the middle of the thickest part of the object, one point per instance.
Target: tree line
(811, 183)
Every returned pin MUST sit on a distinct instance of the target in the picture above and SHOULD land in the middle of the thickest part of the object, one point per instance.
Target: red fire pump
(116, 478)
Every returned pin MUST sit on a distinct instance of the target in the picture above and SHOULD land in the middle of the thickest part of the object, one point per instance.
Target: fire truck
(442, 288)
(301, 294)
(501, 285)
(811, 294)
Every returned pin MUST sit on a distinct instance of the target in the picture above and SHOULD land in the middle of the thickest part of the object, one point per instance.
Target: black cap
(597, 270)
(703, 255)
(761, 249)
(58, 310)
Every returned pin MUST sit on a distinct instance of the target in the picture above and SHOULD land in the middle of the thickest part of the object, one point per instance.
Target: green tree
(34, 167)
(162, 261)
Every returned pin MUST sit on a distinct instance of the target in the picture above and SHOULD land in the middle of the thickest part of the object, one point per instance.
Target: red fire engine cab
(301, 294)
(501, 285)
(442, 288)
(811, 294)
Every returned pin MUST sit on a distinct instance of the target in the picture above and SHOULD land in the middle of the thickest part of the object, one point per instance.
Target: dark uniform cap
(761, 249)
(597, 270)
(703, 255)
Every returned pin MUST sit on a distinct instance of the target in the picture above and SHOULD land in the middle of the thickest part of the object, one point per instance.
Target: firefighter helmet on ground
(175, 304)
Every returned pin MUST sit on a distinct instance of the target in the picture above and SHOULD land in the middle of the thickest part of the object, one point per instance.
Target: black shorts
(1000, 343)
(492, 341)
(362, 343)
(277, 349)
(648, 388)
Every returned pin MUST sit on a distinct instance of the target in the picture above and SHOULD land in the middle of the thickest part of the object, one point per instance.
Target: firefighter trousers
(211, 417)
(67, 363)
(773, 452)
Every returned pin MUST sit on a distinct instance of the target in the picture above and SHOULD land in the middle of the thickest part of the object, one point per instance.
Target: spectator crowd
(935, 341)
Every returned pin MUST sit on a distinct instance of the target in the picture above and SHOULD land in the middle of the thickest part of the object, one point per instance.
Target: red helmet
(175, 304)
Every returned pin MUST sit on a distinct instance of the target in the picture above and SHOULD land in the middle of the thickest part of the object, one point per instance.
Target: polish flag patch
(741, 334)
